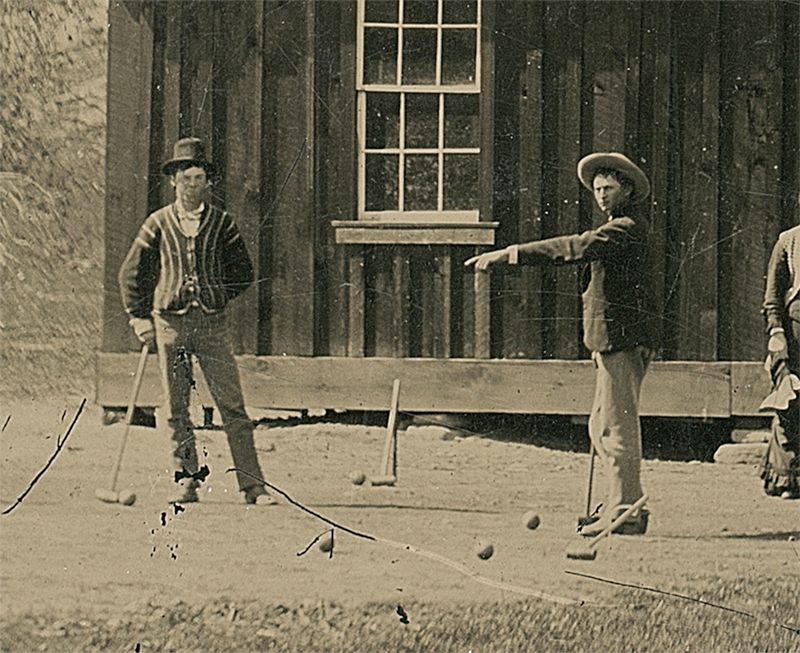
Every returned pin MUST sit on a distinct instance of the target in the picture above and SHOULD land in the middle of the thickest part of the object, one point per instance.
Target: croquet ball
(326, 543)
(484, 550)
(531, 520)
(357, 478)
(127, 498)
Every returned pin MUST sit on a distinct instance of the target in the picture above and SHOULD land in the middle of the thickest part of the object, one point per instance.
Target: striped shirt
(169, 271)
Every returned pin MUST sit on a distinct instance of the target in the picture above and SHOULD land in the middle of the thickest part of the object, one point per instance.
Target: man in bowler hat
(617, 321)
(187, 262)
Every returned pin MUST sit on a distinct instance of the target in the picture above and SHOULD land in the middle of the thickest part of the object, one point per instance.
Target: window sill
(358, 232)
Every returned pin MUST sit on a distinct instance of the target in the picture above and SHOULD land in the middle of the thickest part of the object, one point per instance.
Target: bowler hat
(589, 165)
(188, 151)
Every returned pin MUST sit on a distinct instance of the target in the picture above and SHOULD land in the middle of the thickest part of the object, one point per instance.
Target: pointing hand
(483, 261)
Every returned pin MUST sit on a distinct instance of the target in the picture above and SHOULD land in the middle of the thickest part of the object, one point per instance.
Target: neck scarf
(189, 220)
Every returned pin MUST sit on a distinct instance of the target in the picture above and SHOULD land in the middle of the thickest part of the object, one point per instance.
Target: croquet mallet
(587, 517)
(587, 551)
(111, 495)
(388, 472)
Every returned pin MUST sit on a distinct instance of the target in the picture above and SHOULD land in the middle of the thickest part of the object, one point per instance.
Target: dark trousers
(207, 337)
(781, 468)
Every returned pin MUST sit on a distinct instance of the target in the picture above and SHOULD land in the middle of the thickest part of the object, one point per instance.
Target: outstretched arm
(608, 240)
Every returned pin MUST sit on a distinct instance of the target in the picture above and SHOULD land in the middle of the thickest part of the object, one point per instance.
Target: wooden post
(355, 342)
(481, 291)
(400, 325)
(439, 318)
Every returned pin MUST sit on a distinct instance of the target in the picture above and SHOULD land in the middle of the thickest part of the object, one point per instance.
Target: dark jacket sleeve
(140, 270)
(778, 283)
(608, 240)
(237, 268)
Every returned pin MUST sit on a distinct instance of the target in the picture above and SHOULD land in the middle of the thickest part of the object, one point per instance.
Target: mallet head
(383, 480)
(581, 553)
(107, 496)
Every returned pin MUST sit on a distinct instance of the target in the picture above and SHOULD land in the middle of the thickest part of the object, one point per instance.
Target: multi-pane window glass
(418, 91)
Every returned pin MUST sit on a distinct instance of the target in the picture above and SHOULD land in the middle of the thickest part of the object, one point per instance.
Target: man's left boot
(636, 524)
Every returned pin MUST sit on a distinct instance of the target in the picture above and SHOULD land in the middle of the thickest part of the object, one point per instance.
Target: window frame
(400, 215)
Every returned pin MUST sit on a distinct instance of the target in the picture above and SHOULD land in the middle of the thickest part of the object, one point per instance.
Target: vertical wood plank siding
(523, 316)
(289, 63)
(698, 65)
(130, 66)
(570, 74)
(242, 68)
(702, 95)
(654, 140)
(751, 178)
(335, 170)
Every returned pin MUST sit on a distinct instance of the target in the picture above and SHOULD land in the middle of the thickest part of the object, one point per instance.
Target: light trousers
(205, 336)
(614, 426)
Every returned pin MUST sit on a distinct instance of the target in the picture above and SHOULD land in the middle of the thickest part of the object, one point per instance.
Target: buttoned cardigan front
(168, 271)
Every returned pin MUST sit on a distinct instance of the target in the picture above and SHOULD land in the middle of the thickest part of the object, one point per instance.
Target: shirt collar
(183, 214)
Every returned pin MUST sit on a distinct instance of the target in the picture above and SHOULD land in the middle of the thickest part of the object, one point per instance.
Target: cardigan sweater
(617, 290)
(783, 279)
(168, 271)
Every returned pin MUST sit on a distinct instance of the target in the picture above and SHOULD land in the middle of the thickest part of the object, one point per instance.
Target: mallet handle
(137, 385)
(389, 461)
(592, 455)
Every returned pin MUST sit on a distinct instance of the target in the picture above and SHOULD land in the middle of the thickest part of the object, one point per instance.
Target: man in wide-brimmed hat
(187, 262)
(618, 314)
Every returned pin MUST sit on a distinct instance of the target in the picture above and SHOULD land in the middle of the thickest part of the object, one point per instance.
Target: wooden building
(368, 147)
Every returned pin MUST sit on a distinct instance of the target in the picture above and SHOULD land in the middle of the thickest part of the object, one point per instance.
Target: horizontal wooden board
(351, 232)
(750, 383)
(558, 387)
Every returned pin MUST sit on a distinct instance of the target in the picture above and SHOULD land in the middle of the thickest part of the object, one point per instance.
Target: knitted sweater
(783, 278)
(167, 271)
(618, 303)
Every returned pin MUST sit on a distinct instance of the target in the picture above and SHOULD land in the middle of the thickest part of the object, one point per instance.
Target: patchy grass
(638, 621)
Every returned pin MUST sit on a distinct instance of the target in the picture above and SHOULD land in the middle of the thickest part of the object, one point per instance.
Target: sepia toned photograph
(400, 325)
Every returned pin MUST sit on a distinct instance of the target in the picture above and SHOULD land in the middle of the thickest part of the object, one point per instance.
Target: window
(418, 85)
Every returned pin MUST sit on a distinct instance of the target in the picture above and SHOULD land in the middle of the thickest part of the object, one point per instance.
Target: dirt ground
(711, 525)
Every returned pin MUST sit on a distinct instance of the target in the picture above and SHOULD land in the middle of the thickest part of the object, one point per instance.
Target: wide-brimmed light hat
(191, 151)
(590, 164)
